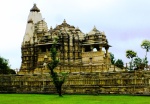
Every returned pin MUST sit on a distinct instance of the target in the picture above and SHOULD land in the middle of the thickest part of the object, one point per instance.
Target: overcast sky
(126, 23)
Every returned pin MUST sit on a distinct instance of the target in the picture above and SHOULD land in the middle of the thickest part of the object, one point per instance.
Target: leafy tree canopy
(4, 67)
(112, 58)
(139, 63)
(130, 54)
(146, 45)
(119, 63)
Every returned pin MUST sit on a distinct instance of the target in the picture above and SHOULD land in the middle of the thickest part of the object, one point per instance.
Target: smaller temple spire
(77, 28)
(64, 21)
(94, 29)
(35, 8)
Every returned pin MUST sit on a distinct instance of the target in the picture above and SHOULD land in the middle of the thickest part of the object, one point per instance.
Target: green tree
(119, 63)
(58, 78)
(11, 71)
(112, 58)
(130, 54)
(145, 62)
(4, 67)
(139, 63)
(146, 45)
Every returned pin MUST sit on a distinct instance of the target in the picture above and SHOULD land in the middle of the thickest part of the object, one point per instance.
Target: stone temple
(77, 51)
(84, 56)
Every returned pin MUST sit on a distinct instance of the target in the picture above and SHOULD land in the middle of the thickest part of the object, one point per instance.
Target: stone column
(91, 47)
(107, 60)
(106, 48)
(46, 50)
(100, 48)
(83, 49)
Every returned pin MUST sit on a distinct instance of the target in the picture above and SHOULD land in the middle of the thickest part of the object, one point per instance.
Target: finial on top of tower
(64, 21)
(35, 8)
(94, 28)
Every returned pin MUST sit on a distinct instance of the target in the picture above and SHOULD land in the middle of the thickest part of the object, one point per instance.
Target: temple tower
(28, 49)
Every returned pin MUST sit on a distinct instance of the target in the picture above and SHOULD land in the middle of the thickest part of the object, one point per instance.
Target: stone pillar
(106, 48)
(100, 48)
(83, 49)
(91, 47)
(107, 58)
(46, 49)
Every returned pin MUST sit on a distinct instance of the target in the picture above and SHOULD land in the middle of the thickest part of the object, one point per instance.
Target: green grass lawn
(72, 99)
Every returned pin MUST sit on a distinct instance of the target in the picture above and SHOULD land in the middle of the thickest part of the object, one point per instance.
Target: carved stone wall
(80, 83)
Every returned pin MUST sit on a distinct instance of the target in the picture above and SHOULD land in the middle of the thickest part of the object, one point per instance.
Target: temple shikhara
(77, 51)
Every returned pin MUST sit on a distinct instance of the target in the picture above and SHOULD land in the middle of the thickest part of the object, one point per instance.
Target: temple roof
(35, 8)
(93, 31)
(42, 26)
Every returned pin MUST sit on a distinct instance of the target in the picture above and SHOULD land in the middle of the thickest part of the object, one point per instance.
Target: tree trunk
(146, 54)
(146, 59)
(51, 71)
(131, 64)
(59, 90)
